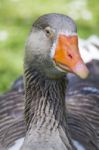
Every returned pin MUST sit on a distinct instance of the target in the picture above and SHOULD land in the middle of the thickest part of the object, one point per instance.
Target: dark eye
(49, 32)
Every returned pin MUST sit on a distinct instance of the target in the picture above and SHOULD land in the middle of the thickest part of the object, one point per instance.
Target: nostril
(70, 56)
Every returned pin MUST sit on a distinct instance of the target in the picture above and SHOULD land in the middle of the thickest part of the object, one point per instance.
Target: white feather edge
(78, 145)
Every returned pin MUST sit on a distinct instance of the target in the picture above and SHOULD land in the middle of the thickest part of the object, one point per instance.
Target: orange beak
(67, 56)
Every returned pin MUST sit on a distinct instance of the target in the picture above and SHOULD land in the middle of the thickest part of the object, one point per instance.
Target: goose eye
(49, 32)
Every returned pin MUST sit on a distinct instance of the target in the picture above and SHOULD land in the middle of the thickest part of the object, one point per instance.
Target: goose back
(83, 98)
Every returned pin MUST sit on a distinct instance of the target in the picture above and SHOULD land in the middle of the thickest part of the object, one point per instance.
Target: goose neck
(45, 109)
(45, 99)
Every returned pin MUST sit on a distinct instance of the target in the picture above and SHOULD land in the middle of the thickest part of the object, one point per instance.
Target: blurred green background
(16, 17)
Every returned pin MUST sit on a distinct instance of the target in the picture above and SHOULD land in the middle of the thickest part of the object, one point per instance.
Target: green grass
(16, 17)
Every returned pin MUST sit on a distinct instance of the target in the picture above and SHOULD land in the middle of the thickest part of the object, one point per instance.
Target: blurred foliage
(16, 17)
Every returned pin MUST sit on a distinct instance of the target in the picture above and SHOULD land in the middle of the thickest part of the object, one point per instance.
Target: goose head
(52, 47)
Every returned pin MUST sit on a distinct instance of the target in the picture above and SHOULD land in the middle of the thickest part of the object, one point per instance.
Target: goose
(57, 71)
(51, 51)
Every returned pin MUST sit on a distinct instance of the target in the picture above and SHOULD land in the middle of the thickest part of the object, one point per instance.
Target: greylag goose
(91, 143)
(51, 52)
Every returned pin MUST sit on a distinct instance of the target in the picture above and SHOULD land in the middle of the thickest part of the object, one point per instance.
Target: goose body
(83, 97)
(45, 86)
